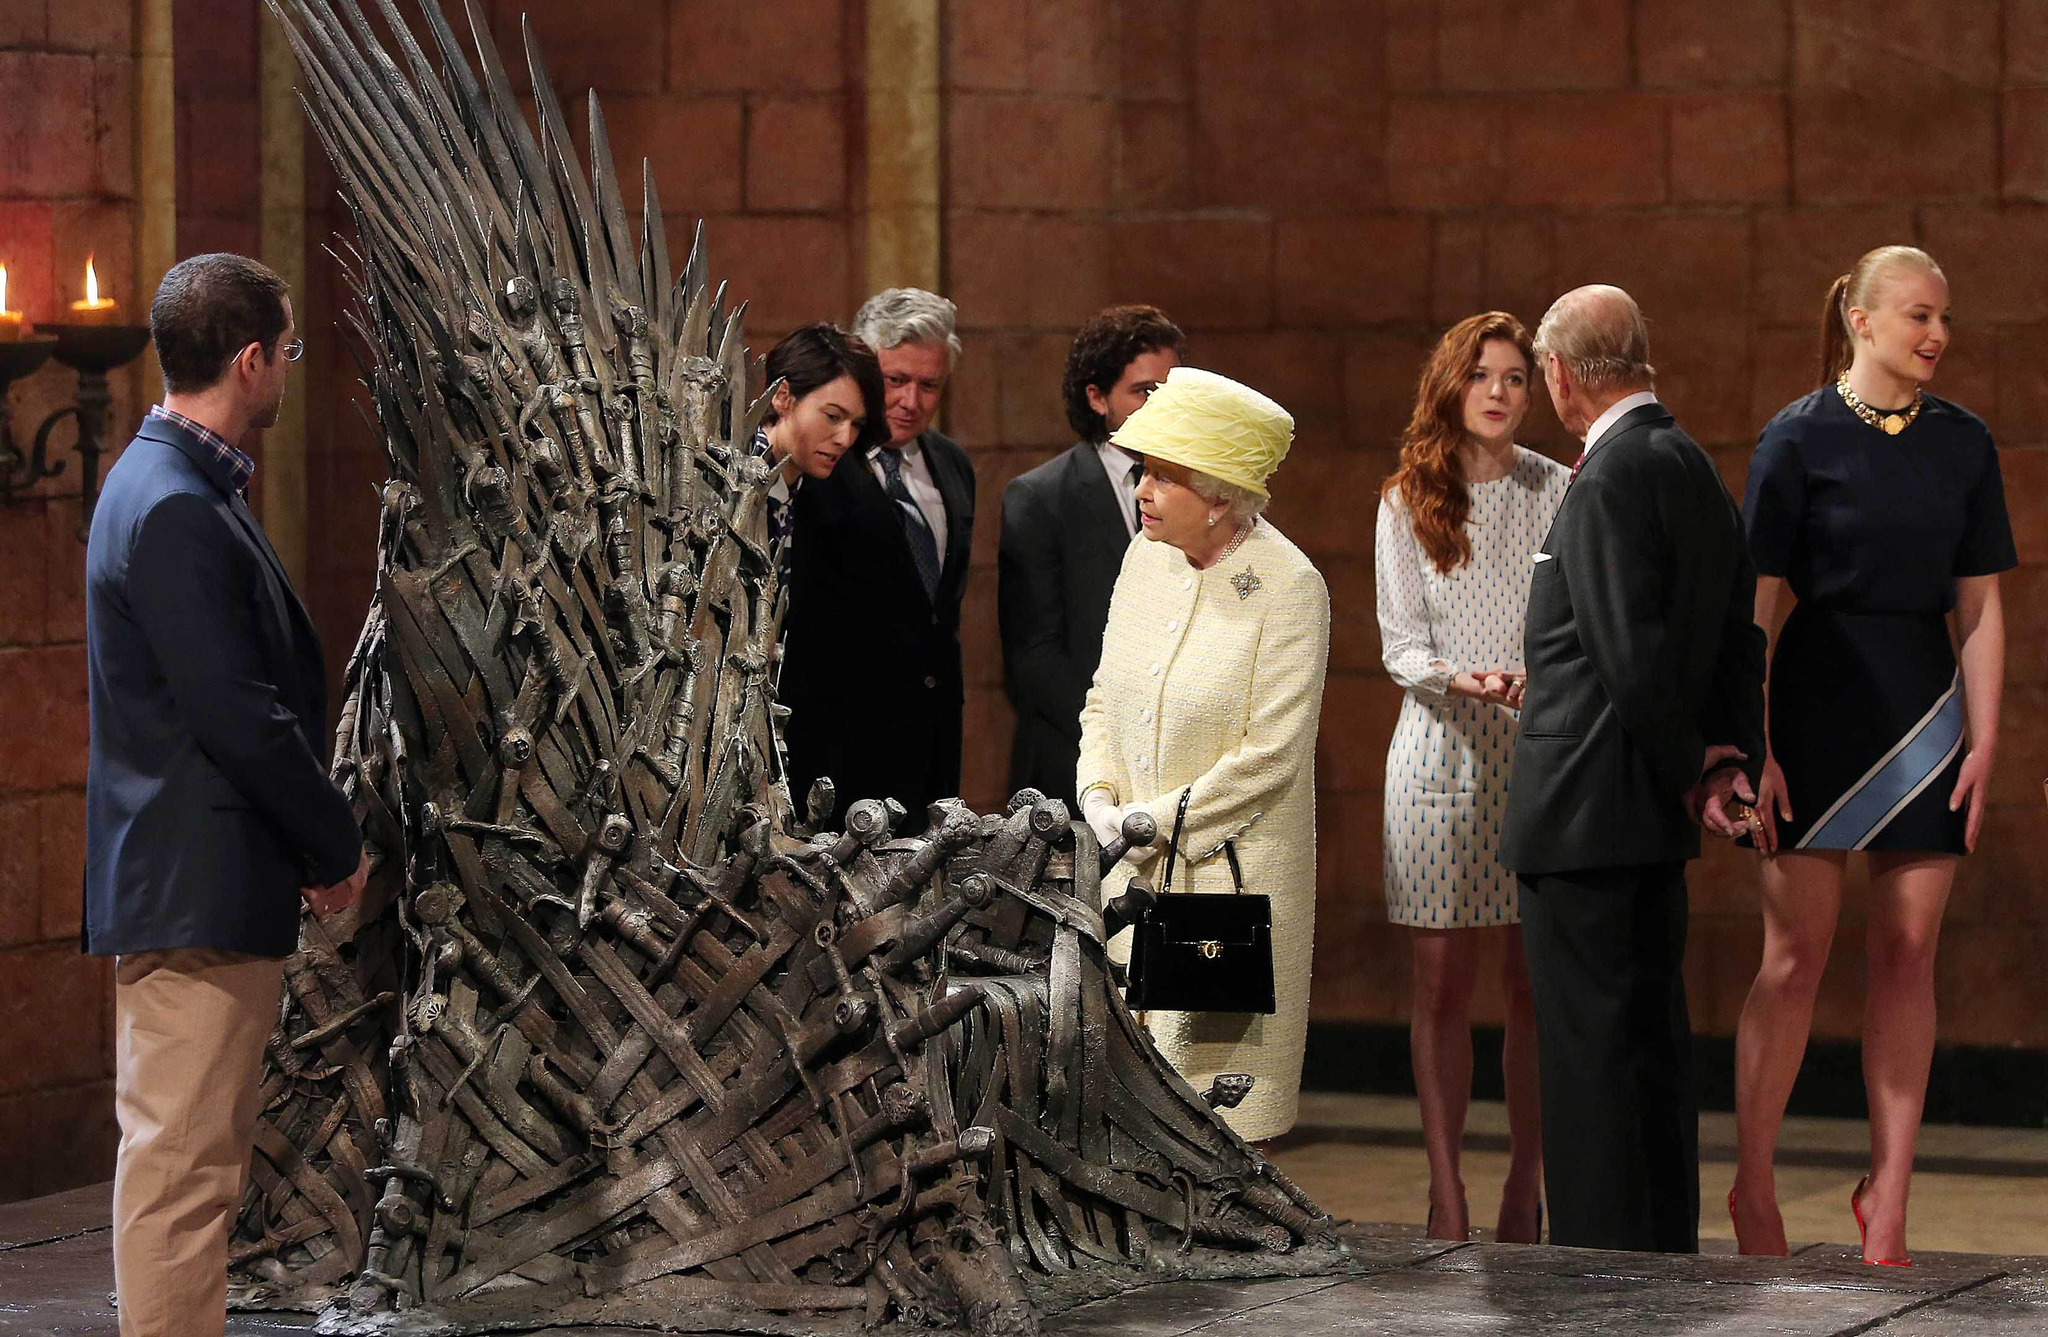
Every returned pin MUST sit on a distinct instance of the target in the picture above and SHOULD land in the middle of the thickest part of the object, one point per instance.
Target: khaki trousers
(189, 1031)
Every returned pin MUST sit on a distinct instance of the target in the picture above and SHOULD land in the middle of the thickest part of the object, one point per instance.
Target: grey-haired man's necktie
(924, 548)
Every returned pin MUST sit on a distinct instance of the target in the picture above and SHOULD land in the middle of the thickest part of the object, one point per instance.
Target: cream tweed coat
(1199, 686)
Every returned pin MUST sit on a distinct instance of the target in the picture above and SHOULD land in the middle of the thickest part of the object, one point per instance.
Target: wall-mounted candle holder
(92, 351)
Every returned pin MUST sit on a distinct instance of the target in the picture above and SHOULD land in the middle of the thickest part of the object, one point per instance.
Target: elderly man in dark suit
(871, 667)
(1066, 525)
(209, 811)
(1644, 705)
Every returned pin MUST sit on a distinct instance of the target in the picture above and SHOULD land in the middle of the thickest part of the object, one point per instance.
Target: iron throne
(615, 1038)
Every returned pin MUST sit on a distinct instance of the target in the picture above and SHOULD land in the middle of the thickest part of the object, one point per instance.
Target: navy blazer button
(930, 681)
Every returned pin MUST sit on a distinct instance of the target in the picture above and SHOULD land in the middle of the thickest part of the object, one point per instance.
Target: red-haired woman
(1458, 522)
(1881, 510)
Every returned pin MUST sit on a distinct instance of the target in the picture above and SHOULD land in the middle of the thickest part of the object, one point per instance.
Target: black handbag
(1201, 953)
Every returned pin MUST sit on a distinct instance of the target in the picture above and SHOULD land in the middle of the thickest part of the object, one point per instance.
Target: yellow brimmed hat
(1213, 425)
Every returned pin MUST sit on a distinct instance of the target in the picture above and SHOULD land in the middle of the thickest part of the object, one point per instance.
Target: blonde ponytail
(1836, 347)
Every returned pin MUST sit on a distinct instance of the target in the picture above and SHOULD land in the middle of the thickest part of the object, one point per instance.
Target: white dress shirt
(1616, 411)
(1118, 465)
(917, 477)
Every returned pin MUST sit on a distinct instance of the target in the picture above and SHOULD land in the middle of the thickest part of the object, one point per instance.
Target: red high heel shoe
(1862, 1232)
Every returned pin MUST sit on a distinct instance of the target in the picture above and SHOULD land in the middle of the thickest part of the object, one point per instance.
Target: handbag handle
(1180, 818)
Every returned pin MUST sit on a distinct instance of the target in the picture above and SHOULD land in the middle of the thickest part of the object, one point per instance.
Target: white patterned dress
(1451, 757)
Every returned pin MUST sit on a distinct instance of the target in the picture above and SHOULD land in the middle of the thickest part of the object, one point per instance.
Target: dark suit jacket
(1641, 650)
(1063, 543)
(207, 800)
(871, 666)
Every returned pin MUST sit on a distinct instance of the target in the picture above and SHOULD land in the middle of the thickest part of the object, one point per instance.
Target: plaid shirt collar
(239, 466)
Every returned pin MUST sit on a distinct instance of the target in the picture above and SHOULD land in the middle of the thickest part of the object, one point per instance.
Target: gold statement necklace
(1891, 424)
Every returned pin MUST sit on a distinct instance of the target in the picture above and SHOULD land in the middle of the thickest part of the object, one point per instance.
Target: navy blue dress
(1872, 531)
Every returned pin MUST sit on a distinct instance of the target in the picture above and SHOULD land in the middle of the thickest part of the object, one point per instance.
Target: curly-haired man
(1065, 527)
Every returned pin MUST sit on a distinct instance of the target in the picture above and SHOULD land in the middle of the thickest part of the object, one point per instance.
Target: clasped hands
(333, 900)
(1726, 805)
(1500, 687)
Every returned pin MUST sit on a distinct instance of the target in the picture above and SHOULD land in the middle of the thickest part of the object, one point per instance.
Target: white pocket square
(1539, 556)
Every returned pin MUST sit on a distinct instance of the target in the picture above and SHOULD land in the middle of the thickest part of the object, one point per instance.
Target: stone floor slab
(2014, 1306)
(39, 1220)
(1533, 1304)
(61, 1289)
(1829, 1267)
(1181, 1307)
(56, 1271)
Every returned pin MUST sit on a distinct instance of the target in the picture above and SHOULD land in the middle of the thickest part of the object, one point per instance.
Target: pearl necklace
(1236, 542)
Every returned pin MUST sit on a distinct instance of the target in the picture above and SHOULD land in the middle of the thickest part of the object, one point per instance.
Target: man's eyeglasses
(294, 350)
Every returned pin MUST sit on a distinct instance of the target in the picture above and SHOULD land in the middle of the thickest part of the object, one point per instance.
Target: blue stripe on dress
(1899, 777)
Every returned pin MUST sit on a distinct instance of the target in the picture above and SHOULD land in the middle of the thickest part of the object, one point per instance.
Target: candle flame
(92, 284)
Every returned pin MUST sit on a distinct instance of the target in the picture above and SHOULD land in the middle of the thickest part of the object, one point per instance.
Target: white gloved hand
(1103, 817)
(1138, 854)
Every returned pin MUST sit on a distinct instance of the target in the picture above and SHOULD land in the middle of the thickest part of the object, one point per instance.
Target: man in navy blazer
(209, 811)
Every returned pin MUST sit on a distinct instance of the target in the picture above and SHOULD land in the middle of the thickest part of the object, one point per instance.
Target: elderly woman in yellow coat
(1211, 684)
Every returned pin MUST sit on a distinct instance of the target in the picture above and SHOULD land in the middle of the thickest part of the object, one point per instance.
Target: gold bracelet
(1105, 787)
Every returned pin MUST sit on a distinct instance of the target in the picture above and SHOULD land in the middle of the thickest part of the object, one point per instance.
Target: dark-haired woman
(1458, 522)
(1881, 509)
(830, 401)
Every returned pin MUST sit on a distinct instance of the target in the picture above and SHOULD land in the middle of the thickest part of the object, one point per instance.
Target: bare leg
(1802, 895)
(1521, 1197)
(1440, 1039)
(1907, 895)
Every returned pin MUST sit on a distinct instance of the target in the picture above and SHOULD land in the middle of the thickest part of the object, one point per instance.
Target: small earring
(1212, 522)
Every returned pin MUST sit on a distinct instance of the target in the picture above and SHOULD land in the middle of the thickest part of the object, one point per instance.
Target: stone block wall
(67, 188)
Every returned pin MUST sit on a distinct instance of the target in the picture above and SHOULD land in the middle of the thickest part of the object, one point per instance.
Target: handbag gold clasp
(1210, 949)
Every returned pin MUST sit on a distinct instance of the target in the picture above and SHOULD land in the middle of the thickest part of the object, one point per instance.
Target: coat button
(1155, 670)
(930, 681)
(1144, 765)
(1173, 625)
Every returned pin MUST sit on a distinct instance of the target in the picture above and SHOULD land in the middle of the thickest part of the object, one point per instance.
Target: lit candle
(93, 309)
(10, 321)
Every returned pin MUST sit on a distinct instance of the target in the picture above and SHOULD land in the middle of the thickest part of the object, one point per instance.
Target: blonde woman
(1879, 508)
(1211, 686)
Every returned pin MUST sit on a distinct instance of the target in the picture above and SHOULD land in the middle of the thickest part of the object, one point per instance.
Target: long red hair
(1431, 479)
